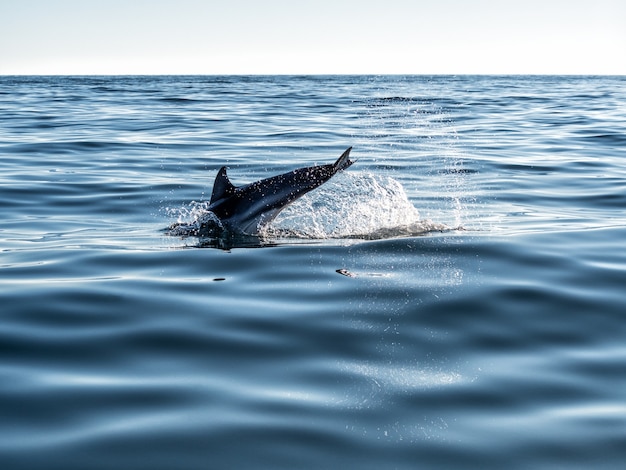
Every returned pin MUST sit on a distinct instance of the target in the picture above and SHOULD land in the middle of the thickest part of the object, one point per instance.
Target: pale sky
(312, 37)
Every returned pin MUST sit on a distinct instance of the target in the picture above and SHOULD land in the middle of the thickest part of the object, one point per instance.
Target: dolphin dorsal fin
(222, 186)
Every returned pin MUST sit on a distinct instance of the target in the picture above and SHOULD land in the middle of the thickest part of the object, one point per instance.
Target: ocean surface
(454, 299)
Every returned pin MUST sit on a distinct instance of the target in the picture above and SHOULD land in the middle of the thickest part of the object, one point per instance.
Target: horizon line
(321, 74)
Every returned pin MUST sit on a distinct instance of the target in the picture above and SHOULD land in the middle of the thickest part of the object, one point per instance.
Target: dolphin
(245, 210)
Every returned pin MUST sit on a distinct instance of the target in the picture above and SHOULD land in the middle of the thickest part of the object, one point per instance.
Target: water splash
(352, 205)
(195, 220)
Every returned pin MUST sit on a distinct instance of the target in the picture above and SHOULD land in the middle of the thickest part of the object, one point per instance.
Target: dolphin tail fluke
(344, 161)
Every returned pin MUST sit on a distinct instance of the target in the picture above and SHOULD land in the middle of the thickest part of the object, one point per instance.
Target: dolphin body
(247, 209)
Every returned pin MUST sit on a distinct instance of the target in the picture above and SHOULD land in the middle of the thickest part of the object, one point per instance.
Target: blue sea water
(455, 299)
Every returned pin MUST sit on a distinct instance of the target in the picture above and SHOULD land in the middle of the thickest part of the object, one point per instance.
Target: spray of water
(352, 205)
(195, 220)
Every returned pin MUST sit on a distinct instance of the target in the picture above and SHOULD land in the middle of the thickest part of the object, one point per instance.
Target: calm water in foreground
(481, 323)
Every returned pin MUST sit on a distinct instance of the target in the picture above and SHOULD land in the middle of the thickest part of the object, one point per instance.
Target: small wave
(608, 138)
(64, 147)
(395, 99)
(178, 100)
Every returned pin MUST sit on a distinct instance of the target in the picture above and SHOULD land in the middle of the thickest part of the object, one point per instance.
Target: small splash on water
(195, 220)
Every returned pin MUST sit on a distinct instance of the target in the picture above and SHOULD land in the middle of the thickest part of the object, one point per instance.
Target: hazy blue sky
(309, 37)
